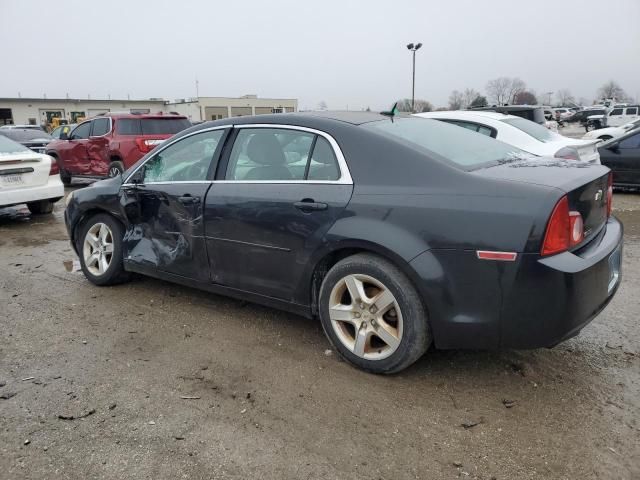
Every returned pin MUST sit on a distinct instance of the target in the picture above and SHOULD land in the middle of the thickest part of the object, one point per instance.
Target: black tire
(65, 177)
(115, 273)
(115, 168)
(416, 336)
(41, 207)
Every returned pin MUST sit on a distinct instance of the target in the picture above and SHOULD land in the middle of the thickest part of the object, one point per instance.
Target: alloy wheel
(365, 316)
(97, 249)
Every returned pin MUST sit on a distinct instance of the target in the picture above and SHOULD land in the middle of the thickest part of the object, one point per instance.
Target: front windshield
(8, 146)
(532, 129)
(458, 145)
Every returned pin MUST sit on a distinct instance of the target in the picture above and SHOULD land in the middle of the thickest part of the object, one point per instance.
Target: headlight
(68, 198)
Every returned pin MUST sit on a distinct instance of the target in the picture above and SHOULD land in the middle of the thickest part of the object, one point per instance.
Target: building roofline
(77, 100)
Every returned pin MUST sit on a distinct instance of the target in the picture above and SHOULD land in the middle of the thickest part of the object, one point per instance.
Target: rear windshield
(532, 129)
(461, 146)
(26, 134)
(151, 126)
(8, 146)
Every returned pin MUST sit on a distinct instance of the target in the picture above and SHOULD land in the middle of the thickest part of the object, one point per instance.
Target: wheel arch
(90, 212)
(326, 259)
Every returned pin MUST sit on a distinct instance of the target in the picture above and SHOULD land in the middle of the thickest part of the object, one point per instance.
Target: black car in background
(33, 139)
(622, 156)
(397, 232)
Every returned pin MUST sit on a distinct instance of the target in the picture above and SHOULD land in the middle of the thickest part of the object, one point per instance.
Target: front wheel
(100, 249)
(373, 315)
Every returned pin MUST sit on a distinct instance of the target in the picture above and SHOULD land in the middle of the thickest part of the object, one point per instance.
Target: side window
(269, 154)
(632, 111)
(615, 111)
(81, 132)
(186, 160)
(323, 164)
(630, 142)
(128, 126)
(100, 127)
(485, 131)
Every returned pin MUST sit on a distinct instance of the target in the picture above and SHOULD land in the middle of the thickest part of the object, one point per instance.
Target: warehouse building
(42, 111)
(215, 108)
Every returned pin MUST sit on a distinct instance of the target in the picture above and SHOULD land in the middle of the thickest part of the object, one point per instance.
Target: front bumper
(530, 303)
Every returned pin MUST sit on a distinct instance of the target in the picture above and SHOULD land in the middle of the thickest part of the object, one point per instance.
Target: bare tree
(564, 97)
(456, 100)
(469, 94)
(611, 89)
(502, 90)
(322, 105)
(525, 98)
(404, 105)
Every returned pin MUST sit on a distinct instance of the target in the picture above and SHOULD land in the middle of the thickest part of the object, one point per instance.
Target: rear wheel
(41, 207)
(100, 249)
(373, 315)
(116, 168)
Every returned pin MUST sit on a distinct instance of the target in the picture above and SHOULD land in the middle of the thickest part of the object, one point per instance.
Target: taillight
(568, 153)
(55, 169)
(609, 194)
(564, 230)
(146, 144)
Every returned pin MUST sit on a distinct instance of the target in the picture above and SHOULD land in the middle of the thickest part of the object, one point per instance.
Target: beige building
(38, 111)
(215, 108)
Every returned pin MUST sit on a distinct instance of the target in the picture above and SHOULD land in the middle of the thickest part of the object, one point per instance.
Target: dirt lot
(152, 380)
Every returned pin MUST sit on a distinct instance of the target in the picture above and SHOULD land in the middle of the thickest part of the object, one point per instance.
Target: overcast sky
(347, 53)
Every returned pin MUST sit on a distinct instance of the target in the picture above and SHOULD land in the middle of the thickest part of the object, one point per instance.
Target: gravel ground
(152, 380)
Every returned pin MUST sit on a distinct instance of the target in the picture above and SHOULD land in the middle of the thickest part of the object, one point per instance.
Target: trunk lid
(587, 150)
(23, 170)
(585, 185)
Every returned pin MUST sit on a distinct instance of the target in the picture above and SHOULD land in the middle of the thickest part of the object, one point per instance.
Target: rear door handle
(188, 199)
(309, 205)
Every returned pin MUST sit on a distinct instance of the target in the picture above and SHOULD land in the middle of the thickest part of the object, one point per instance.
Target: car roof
(469, 114)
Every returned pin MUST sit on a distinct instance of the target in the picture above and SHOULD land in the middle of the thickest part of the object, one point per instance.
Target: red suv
(107, 145)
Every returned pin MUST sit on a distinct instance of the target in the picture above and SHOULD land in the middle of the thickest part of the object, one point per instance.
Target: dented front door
(166, 228)
(163, 202)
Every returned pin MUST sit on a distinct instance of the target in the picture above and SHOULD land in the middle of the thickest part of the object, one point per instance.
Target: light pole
(413, 49)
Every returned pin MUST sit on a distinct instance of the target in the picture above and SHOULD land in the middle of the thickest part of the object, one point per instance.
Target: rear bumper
(53, 190)
(530, 303)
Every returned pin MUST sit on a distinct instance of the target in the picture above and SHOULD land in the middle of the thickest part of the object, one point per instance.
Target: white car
(563, 112)
(28, 177)
(522, 133)
(616, 117)
(611, 132)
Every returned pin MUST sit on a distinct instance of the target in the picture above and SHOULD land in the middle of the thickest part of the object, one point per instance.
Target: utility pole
(413, 48)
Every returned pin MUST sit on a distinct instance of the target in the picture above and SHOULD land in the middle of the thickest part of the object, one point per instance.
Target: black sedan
(622, 156)
(396, 232)
(34, 139)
